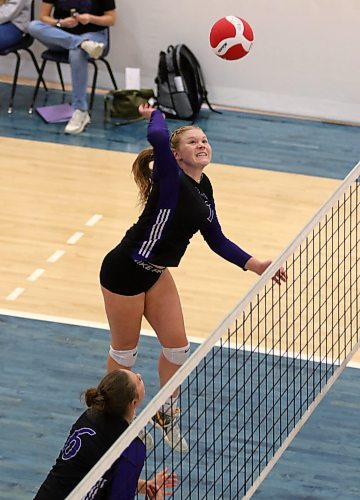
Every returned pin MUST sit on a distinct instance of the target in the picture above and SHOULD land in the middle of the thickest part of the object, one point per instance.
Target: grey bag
(180, 84)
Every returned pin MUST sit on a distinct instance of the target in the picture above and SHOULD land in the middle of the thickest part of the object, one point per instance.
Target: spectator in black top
(111, 408)
(135, 278)
(77, 26)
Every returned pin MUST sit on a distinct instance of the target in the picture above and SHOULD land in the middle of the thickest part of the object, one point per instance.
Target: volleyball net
(248, 389)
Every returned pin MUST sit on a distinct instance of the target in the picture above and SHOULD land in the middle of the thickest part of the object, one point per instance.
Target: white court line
(15, 294)
(148, 333)
(353, 364)
(36, 274)
(54, 319)
(75, 238)
(56, 256)
(93, 220)
(77, 322)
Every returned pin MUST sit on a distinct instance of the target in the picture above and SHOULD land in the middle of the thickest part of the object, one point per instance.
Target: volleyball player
(135, 278)
(111, 408)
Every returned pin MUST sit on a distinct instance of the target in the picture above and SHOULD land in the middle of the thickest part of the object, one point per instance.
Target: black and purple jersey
(90, 437)
(176, 209)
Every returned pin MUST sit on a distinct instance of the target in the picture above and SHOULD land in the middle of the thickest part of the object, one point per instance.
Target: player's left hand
(259, 267)
(161, 485)
(279, 276)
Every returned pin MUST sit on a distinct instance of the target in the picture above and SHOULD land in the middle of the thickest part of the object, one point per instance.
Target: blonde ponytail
(142, 173)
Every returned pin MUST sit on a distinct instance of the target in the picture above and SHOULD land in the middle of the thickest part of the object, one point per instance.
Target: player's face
(139, 384)
(194, 149)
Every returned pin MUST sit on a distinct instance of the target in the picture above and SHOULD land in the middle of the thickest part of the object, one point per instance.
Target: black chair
(25, 44)
(62, 57)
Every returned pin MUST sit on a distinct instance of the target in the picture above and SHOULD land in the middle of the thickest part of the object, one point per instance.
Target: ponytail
(143, 173)
(94, 399)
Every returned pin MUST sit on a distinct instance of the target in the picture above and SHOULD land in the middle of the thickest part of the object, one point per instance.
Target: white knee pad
(124, 358)
(177, 355)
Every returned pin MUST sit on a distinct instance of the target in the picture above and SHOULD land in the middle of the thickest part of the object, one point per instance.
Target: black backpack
(180, 84)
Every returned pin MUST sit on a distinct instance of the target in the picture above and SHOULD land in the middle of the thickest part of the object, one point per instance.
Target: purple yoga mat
(55, 114)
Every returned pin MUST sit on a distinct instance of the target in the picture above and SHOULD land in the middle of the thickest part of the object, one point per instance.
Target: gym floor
(270, 175)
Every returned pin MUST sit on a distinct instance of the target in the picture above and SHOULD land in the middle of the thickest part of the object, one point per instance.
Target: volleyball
(231, 37)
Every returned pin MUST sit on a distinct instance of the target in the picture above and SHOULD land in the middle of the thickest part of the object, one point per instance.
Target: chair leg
(13, 89)
(37, 67)
(36, 89)
(60, 76)
(93, 87)
(111, 74)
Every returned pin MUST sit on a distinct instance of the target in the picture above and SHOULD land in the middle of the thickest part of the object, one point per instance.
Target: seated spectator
(111, 408)
(76, 26)
(14, 20)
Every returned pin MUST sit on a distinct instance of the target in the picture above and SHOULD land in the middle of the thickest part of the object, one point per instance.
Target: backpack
(180, 84)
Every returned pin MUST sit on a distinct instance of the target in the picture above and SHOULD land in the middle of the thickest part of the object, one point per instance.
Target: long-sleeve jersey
(177, 207)
(90, 437)
(120, 482)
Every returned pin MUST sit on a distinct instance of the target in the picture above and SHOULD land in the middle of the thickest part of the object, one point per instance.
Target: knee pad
(124, 358)
(177, 355)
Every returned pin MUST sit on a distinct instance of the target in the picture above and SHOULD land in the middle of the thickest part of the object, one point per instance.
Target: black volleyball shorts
(121, 274)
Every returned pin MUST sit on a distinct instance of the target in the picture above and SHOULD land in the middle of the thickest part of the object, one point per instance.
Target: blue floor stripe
(240, 139)
(46, 365)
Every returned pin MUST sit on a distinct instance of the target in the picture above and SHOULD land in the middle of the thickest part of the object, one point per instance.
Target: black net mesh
(250, 390)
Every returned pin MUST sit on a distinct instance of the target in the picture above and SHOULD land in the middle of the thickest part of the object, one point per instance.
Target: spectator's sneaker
(146, 438)
(94, 49)
(168, 425)
(77, 122)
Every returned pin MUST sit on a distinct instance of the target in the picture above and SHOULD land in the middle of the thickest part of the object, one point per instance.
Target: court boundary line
(79, 322)
(150, 333)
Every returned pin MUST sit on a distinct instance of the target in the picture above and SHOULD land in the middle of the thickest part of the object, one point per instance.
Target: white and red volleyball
(231, 37)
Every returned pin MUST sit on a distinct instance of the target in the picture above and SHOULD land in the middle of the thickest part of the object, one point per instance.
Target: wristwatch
(58, 25)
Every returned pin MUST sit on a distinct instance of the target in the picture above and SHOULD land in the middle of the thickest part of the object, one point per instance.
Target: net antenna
(248, 388)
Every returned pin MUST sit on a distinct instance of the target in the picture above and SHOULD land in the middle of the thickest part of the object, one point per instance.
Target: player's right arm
(165, 164)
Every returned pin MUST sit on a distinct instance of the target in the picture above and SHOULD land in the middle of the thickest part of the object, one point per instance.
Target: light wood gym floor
(67, 200)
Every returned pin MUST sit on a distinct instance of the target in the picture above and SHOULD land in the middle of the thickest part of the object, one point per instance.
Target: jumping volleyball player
(178, 201)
